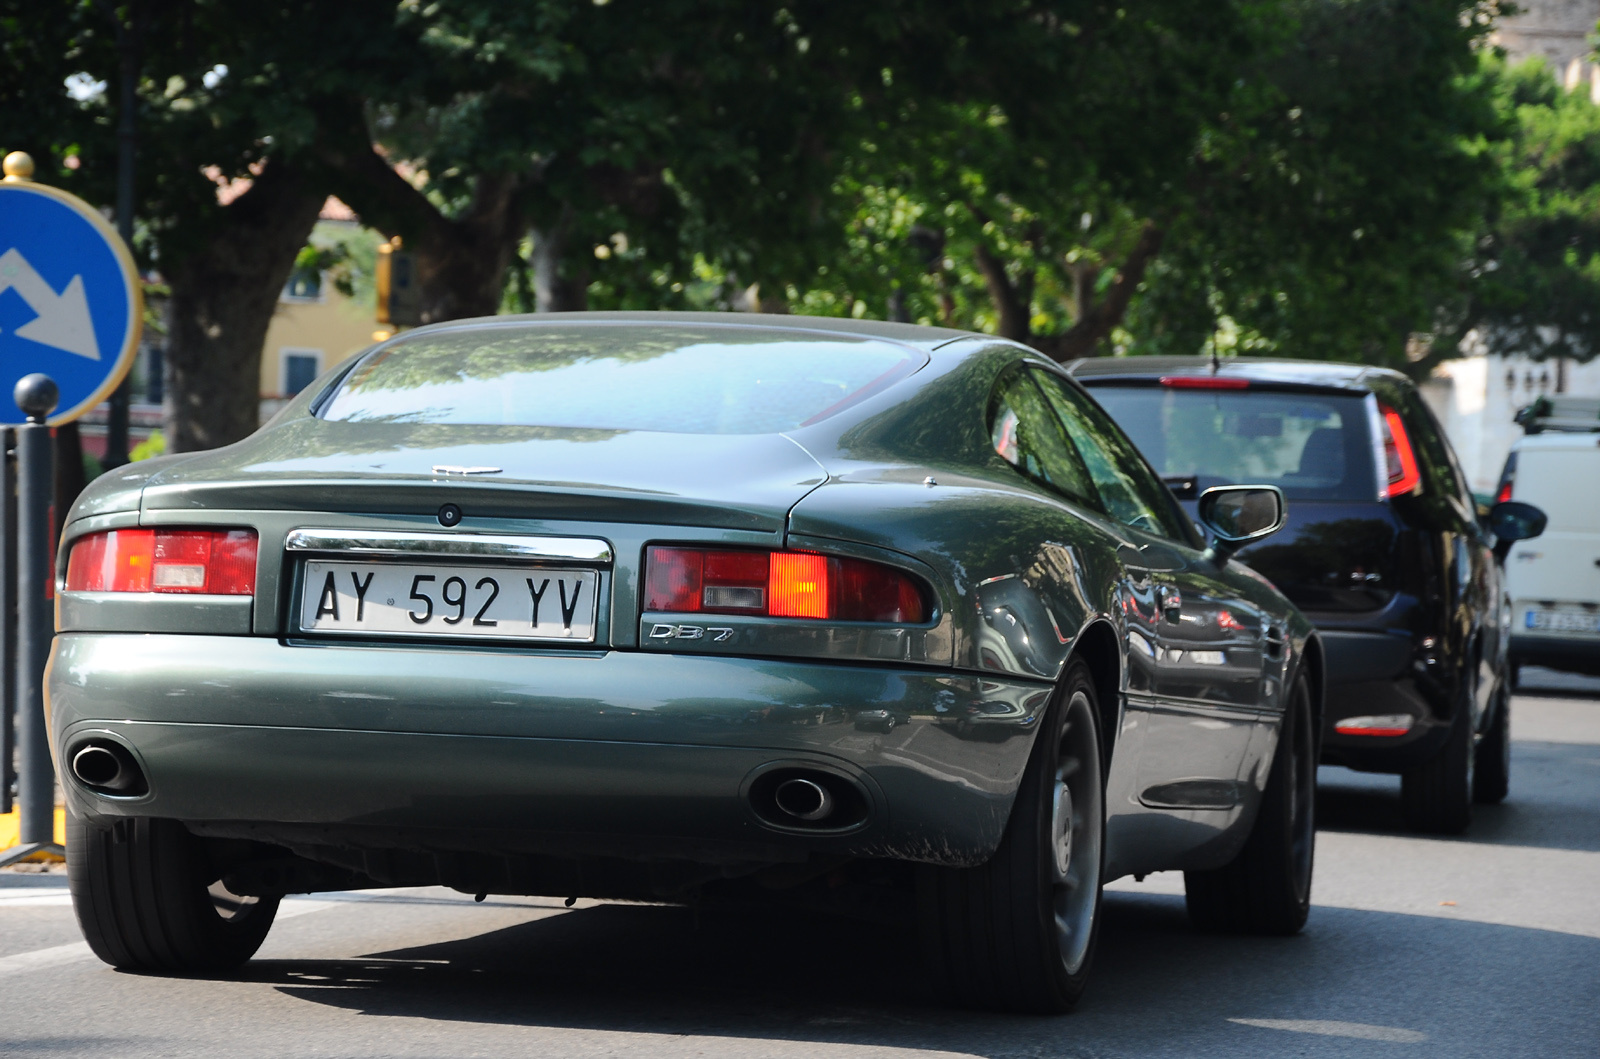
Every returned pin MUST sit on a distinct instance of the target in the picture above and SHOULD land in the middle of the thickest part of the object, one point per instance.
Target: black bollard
(8, 619)
(37, 396)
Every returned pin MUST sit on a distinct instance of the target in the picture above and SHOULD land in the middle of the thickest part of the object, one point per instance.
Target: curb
(11, 831)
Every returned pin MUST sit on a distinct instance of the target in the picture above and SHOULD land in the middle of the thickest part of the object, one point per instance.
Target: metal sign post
(36, 794)
(60, 257)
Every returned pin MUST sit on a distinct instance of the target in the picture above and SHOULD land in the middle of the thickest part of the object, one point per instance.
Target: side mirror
(1237, 515)
(1511, 521)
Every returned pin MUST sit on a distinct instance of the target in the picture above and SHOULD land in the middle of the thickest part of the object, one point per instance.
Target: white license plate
(389, 599)
(1559, 621)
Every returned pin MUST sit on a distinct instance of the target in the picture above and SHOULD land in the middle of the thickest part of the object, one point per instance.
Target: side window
(1129, 489)
(1026, 435)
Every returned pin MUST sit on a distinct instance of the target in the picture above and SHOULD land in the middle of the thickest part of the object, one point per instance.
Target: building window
(298, 368)
(305, 285)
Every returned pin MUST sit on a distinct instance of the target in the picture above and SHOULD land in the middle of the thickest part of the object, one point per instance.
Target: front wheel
(147, 900)
(1019, 931)
(1266, 889)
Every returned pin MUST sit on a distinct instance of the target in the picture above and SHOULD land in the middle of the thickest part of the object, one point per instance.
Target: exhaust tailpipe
(803, 799)
(106, 767)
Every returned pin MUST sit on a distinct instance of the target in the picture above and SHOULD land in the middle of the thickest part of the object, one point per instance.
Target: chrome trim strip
(478, 545)
(1229, 711)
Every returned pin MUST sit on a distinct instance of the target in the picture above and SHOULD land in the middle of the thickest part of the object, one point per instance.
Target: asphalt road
(1488, 945)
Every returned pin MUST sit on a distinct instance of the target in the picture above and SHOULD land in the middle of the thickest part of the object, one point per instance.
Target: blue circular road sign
(70, 304)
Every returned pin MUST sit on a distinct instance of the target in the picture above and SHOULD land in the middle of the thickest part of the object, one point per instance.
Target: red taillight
(779, 585)
(1504, 494)
(219, 562)
(1204, 382)
(1399, 458)
(1386, 725)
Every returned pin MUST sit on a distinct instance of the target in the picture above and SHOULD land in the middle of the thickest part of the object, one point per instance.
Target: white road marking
(1360, 1031)
(35, 897)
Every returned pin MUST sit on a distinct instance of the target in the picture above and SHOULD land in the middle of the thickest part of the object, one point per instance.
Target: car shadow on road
(775, 975)
(1551, 804)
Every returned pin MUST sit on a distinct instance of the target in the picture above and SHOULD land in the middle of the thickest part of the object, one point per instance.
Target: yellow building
(315, 327)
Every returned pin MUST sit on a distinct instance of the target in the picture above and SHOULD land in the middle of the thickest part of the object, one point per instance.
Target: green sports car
(658, 606)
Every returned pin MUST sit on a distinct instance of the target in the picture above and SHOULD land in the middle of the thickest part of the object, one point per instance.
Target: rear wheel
(147, 900)
(1436, 796)
(1266, 889)
(1019, 931)
(1491, 777)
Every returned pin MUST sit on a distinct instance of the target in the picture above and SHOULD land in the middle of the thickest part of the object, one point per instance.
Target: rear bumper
(612, 754)
(1570, 653)
(1371, 673)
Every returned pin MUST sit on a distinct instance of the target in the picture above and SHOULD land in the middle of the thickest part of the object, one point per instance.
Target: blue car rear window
(1312, 446)
(687, 380)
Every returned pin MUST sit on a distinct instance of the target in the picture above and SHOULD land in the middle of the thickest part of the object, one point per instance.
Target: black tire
(147, 901)
(1491, 774)
(1436, 796)
(1019, 932)
(1266, 889)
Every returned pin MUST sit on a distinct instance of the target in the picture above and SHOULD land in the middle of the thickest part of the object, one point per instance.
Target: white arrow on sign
(63, 320)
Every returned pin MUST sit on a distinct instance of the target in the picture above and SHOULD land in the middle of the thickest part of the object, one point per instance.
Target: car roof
(926, 339)
(1321, 374)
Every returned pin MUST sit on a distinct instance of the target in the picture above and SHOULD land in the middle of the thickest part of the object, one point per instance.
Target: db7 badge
(715, 633)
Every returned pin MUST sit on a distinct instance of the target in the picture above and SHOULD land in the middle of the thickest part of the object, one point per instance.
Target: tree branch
(1011, 301)
(1097, 323)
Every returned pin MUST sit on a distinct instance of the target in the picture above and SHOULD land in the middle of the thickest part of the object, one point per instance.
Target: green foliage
(1531, 283)
(1314, 178)
(1336, 198)
(154, 445)
(346, 256)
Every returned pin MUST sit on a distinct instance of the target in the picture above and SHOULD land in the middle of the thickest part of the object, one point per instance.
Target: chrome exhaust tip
(106, 767)
(803, 799)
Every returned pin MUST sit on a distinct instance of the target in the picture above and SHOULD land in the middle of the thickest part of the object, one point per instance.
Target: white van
(1554, 579)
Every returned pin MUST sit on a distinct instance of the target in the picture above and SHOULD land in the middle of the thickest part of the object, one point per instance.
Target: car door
(1476, 579)
(1205, 697)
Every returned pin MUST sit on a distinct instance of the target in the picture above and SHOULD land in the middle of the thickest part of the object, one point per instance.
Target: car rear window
(710, 380)
(1312, 446)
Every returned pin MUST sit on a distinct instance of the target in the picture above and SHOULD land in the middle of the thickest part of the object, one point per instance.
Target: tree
(1530, 280)
(1309, 197)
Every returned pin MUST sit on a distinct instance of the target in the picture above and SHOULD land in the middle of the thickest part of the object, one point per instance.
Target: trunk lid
(722, 481)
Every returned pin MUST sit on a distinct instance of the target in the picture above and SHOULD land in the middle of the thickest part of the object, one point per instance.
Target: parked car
(1384, 552)
(1555, 584)
(597, 605)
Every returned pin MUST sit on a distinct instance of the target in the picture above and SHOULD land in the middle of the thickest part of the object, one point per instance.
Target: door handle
(1171, 603)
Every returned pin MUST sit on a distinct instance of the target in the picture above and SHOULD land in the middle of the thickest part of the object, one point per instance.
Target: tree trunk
(223, 298)
(554, 292)
(461, 262)
(1012, 301)
(1083, 338)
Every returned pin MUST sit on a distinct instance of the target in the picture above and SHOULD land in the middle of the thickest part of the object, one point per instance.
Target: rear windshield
(686, 380)
(1312, 446)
